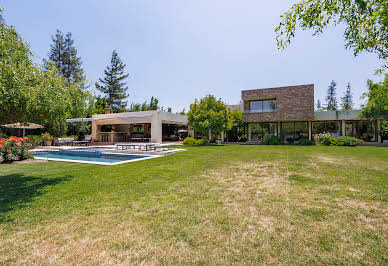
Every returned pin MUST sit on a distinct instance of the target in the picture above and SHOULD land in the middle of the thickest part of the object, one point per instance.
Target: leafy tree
(377, 105)
(152, 105)
(208, 116)
(113, 85)
(331, 100)
(366, 23)
(347, 100)
(1, 16)
(169, 109)
(319, 106)
(236, 126)
(64, 56)
(100, 105)
(183, 112)
(31, 93)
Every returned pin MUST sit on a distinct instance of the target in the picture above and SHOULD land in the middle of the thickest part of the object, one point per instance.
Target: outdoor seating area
(71, 141)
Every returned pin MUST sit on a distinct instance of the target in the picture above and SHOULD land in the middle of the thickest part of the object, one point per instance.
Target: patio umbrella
(23, 126)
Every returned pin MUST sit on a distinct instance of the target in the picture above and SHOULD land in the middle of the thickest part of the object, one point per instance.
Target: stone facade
(293, 103)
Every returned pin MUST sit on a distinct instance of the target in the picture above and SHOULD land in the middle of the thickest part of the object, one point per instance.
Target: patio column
(156, 128)
(94, 130)
(310, 131)
(343, 128)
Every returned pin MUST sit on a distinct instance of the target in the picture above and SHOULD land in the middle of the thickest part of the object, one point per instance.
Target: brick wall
(293, 103)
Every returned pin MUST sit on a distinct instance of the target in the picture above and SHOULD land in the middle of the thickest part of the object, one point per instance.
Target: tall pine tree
(319, 106)
(347, 100)
(64, 56)
(113, 85)
(331, 100)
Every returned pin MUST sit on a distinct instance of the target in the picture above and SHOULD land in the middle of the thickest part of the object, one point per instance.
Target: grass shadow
(17, 190)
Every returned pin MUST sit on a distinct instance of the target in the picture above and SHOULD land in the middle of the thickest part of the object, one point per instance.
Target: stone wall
(293, 103)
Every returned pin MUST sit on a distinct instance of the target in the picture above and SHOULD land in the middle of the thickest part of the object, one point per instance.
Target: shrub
(47, 137)
(3, 135)
(193, 141)
(271, 140)
(321, 137)
(342, 141)
(14, 149)
(35, 140)
(306, 142)
(243, 139)
(189, 141)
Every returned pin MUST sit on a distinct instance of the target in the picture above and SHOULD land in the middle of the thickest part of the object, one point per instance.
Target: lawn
(207, 205)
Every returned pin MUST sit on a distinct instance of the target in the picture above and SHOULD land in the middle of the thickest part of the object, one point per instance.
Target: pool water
(96, 157)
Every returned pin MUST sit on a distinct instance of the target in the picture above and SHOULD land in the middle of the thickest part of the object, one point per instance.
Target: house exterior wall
(293, 103)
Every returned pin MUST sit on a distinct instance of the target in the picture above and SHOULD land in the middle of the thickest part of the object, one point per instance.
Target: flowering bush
(14, 149)
(321, 137)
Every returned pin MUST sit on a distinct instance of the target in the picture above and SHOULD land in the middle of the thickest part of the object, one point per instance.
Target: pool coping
(99, 163)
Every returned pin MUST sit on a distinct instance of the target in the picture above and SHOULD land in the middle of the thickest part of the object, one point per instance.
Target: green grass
(208, 205)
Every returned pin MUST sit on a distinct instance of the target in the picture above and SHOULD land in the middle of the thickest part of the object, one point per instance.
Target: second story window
(263, 106)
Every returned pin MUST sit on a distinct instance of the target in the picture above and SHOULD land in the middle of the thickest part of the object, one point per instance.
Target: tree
(100, 105)
(208, 116)
(113, 85)
(319, 106)
(30, 92)
(152, 105)
(331, 100)
(347, 100)
(64, 56)
(377, 105)
(366, 23)
(236, 126)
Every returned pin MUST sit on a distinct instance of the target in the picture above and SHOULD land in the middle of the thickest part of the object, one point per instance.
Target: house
(144, 126)
(290, 111)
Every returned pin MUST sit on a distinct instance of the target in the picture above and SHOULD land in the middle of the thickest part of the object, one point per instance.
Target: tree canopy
(366, 23)
(30, 92)
(377, 105)
(331, 100)
(208, 116)
(64, 56)
(113, 85)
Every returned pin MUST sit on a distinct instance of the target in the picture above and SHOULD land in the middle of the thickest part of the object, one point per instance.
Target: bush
(14, 149)
(46, 137)
(243, 139)
(321, 137)
(3, 135)
(306, 142)
(271, 140)
(35, 140)
(342, 141)
(193, 141)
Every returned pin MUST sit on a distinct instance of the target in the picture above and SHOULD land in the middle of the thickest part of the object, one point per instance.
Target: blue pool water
(87, 156)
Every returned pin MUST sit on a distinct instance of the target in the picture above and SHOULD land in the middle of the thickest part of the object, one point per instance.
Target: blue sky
(181, 50)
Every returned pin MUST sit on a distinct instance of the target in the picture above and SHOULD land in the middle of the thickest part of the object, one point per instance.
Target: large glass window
(332, 127)
(263, 106)
(364, 130)
(257, 131)
(294, 131)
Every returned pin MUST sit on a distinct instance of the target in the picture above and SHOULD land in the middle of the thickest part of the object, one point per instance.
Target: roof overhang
(78, 120)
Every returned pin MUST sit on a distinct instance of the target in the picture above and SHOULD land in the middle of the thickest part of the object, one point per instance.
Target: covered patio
(145, 126)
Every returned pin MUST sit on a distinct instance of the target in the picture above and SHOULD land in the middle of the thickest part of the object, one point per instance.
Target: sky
(181, 50)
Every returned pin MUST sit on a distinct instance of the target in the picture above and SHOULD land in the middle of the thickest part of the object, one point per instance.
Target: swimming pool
(90, 156)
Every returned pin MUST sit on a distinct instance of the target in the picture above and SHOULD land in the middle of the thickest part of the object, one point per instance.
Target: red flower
(25, 138)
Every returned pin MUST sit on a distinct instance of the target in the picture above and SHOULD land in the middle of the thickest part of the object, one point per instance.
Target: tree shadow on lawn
(17, 190)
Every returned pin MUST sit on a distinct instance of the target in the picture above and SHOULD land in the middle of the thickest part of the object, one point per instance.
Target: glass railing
(269, 110)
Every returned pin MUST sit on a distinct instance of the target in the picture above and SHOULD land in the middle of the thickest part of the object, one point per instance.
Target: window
(364, 130)
(138, 129)
(332, 127)
(257, 131)
(263, 106)
(294, 131)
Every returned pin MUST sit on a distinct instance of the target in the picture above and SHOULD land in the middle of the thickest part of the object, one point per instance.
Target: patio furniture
(86, 141)
(63, 141)
(139, 146)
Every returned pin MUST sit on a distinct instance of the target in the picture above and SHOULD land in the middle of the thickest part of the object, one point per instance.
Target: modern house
(290, 111)
(144, 126)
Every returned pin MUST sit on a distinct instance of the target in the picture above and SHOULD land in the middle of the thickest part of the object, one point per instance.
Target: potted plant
(47, 139)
